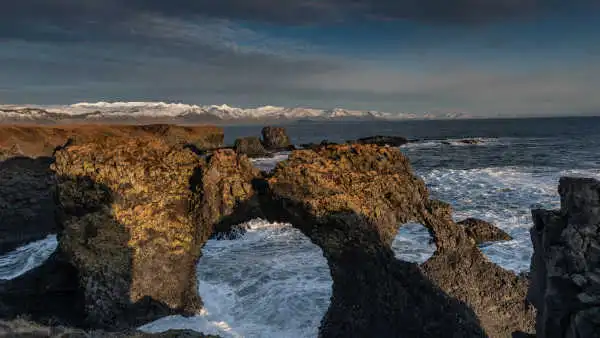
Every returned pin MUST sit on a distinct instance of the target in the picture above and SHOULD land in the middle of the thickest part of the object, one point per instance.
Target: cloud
(77, 12)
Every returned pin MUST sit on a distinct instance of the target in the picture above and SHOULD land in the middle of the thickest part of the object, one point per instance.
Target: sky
(482, 57)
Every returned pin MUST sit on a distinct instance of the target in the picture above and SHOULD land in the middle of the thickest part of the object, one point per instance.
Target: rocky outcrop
(392, 141)
(458, 267)
(250, 146)
(482, 231)
(135, 214)
(350, 200)
(26, 201)
(565, 267)
(129, 212)
(37, 140)
(275, 138)
(226, 193)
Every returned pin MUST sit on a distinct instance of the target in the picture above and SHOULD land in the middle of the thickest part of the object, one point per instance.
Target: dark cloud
(68, 12)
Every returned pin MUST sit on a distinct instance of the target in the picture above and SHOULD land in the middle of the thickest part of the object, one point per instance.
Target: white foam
(413, 243)
(27, 257)
(457, 142)
(505, 197)
(272, 282)
(269, 163)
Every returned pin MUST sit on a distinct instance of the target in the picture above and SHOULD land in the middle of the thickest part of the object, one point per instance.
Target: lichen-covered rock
(26, 201)
(130, 217)
(350, 201)
(275, 138)
(482, 231)
(226, 192)
(36, 140)
(565, 267)
(250, 146)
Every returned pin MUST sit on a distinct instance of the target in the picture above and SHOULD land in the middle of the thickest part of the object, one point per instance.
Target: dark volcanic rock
(275, 138)
(464, 141)
(460, 268)
(129, 213)
(565, 267)
(350, 200)
(49, 294)
(392, 141)
(317, 146)
(482, 231)
(250, 146)
(26, 201)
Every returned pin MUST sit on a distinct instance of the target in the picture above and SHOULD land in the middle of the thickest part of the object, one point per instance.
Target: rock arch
(347, 199)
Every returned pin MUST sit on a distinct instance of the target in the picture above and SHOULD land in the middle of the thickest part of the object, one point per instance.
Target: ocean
(273, 282)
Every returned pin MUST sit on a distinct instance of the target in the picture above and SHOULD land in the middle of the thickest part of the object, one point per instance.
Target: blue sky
(484, 57)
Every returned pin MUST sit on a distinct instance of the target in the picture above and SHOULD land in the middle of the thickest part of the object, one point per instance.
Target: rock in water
(482, 231)
(275, 138)
(350, 201)
(565, 267)
(129, 212)
(459, 268)
(250, 146)
(392, 141)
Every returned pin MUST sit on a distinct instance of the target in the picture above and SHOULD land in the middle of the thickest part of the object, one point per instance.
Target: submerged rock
(250, 146)
(392, 141)
(482, 231)
(470, 141)
(129, 212)
(317, 146)
(275, 138)
(565, 267)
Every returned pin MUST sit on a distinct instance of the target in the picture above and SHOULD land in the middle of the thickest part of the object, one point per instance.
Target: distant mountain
(184, 113)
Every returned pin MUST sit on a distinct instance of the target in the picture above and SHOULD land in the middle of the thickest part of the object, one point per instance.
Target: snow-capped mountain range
(180, 112)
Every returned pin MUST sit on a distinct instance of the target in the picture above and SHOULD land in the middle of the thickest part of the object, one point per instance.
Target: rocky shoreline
(133, 213)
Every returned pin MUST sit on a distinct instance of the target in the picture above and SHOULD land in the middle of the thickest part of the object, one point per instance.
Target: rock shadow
(88, 281)
(26, 201)
(373, 294)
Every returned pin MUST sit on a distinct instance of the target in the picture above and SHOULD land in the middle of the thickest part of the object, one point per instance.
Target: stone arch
(349, 200)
